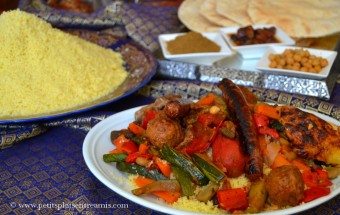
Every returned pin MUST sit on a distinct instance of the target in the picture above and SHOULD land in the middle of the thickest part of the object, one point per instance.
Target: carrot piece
(164, 166)
(141, 181)
(262, 142)
(136, 129)
(280, 160)
(115, 151)
(169, 197)
(300, 165)
(207, 99)
(119, 141)
(143, 148)
(267, 110)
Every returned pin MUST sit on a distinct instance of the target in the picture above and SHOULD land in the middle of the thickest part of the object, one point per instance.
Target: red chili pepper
(318, 178)
(315, 193)
(232, 199)
(131, 158)
(149, 116)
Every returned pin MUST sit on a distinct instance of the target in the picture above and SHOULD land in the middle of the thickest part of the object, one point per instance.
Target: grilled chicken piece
(310, 136)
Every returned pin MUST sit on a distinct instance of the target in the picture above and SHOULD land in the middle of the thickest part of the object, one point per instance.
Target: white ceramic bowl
(263, 63)
(255, 51)
(206, 58)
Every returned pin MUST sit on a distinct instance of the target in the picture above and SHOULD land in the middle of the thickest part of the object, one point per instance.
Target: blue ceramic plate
(139, 62)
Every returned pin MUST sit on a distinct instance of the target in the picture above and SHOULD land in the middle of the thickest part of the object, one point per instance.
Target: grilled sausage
(244, 119)
(174, 109)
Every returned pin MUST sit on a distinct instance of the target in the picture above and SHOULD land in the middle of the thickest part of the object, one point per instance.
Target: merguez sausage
(244, 119)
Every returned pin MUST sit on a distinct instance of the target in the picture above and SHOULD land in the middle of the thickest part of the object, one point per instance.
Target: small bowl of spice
(193, 47)
(252, 41)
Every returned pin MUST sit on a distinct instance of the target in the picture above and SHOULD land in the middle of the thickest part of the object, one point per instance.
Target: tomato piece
(208, 119)
(148, 116)
(318, 178)
(227, 153)
(203, 137)
(315, 193)
(232, 199)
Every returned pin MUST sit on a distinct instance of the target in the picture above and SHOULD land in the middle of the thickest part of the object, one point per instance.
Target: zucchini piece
(184, 180)
(208, 168)
(257, 196)
(176, 158)
(140, 170)
(207, 192)
(108, 158)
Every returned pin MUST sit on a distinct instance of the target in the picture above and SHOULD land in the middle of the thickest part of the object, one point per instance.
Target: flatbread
(208, 10)
(235, 10)
(188, 14)
(298, 18)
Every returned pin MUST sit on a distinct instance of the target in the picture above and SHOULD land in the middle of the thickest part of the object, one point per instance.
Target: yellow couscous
(45, 70)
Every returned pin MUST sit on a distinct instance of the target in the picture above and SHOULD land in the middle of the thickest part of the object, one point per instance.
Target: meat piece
(244, 119)
(174, 109)
(310, 136)
(163, 130)
(159, 104)
(285, 186)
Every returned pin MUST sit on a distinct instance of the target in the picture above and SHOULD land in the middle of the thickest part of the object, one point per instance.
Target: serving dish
(97, 142)
(255, 51)
(139, 62)
(263, 63)
(207, 58)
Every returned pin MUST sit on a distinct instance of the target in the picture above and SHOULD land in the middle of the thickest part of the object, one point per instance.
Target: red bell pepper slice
(232, 199)
(146, 119)
(129, 147)
(262, 122)
(318, 178)
(315, 193)
(131, 158)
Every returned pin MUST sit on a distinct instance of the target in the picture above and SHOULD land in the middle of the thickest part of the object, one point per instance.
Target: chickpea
(273, 64)
(297, 57)
(318, 68)
(271, 57)
(304, 69)
(315, 62)
(290, 61)
(324, 63)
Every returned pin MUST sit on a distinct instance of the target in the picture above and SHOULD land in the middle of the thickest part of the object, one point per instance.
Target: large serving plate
(139, 62)
(97, 142)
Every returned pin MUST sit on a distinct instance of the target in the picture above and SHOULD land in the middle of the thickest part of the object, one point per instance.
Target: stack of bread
(298, 18)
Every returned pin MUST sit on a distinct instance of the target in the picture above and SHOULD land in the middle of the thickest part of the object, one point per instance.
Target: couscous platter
(103, 141)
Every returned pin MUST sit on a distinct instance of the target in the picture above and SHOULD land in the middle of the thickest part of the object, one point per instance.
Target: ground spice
(192, 42)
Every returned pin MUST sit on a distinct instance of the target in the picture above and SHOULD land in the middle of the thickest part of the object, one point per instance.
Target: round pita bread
(301, 19)
(188, 14)
(235, 10)
(208, 10)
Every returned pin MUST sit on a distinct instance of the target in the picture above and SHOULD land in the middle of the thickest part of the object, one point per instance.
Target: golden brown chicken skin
(310, 136)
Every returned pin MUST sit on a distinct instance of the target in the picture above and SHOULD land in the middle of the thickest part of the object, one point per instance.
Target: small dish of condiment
(252, 41)
(193, 47)
(297, 61)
